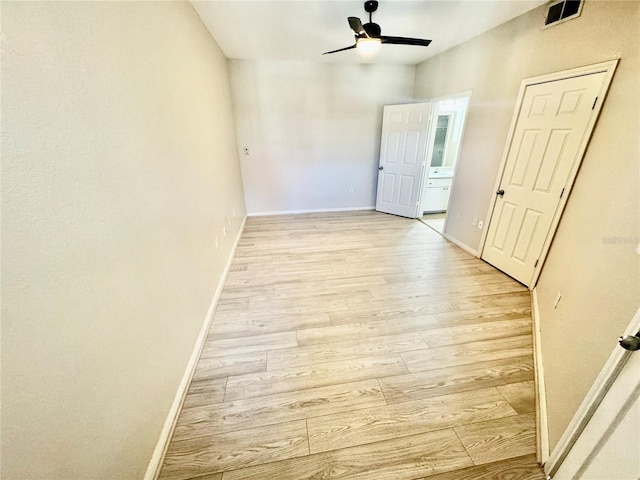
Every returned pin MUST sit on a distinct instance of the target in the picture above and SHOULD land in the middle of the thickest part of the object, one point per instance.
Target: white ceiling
(304, 29)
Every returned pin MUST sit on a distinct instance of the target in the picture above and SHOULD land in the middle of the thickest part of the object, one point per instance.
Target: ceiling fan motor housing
(372, 29)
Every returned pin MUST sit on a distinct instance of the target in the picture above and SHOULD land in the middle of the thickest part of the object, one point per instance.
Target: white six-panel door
(553, 121)
(402, 156)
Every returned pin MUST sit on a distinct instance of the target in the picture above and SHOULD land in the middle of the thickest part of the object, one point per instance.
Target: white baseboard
(542, 425)
(321, 210)
(463, 246)
(153, 469)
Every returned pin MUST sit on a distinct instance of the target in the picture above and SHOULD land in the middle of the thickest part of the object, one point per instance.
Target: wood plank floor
(360, 346)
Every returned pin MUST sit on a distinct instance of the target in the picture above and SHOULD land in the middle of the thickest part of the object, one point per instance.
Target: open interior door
(603, 439)
(403, 149)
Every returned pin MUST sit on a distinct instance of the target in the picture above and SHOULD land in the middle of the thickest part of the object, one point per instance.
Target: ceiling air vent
(563, 10)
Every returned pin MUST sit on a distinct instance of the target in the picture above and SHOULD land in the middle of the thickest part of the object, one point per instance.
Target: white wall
(313, 131)
(119, 166)
(592, 261)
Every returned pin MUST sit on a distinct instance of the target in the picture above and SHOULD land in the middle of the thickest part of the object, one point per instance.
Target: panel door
(609, 445)
(402, 158)
(552, 123)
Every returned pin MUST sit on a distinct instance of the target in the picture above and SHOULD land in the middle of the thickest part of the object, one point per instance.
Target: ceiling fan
(368, 36)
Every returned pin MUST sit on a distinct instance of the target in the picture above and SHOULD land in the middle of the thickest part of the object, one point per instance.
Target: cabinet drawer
(439, 182)
(440, 172)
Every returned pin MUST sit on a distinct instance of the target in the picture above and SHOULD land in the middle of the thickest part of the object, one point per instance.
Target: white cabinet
(437, 194)
(441, 172)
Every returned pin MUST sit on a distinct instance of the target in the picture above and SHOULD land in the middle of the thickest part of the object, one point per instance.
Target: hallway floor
(434, 221)
(360, 346)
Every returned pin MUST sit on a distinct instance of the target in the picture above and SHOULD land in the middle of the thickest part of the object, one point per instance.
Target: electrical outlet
(480, 224)
(458, 215)
(350, 189)
(475, 222)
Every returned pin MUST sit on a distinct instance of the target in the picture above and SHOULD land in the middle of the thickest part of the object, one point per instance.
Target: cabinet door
(436, 199)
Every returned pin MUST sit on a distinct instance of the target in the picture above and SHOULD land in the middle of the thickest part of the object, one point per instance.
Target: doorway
(605, 427)
(445, 138)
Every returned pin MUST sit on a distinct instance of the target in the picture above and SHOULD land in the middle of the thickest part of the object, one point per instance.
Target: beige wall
(592, 261)
(313, 131)
(119, 166)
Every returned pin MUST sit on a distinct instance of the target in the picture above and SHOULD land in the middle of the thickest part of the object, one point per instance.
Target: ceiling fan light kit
(369, 36)
(368, 45)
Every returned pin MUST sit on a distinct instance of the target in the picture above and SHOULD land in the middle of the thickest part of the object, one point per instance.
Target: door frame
(430, 139)
(579, 454)
(603, 67)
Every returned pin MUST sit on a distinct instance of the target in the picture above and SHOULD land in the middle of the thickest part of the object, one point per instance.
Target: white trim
(155, 463)
(542, 424)
(598, 390)
(319, 210)
(608, 67)
(463, 246)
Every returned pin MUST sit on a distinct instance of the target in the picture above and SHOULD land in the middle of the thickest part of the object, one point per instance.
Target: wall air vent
(563, 10)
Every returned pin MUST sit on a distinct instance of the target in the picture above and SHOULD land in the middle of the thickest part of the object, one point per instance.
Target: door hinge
(594, 103)
(536, 264)
(562, 193)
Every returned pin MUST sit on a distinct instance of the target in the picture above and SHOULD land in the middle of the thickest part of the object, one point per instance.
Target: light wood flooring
(360, 346)
(434, 221)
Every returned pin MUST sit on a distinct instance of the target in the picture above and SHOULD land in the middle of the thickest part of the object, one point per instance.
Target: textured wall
(119, 166)
(592, 261)
(313, 131)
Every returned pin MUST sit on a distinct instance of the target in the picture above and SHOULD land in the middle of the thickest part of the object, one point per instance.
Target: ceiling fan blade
(340, 50)
(356, 25)
(405, 41)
